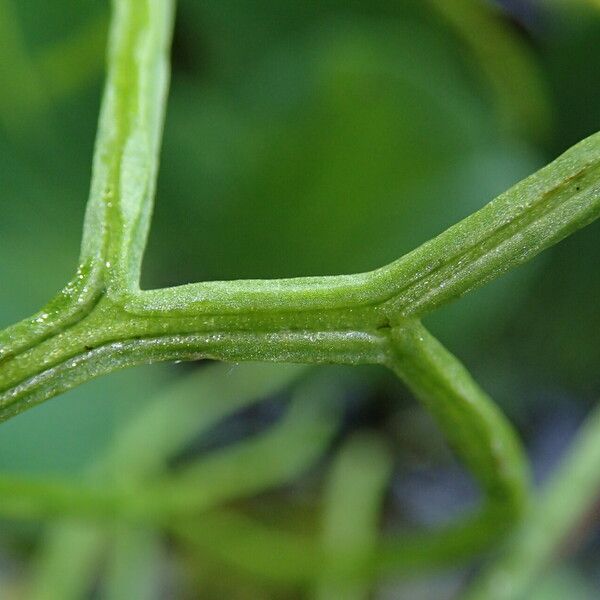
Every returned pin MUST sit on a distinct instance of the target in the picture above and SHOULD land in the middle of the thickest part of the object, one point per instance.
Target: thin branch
(570, 494)
(472, 423)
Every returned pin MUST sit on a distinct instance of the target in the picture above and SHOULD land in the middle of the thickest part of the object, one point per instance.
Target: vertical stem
(128, 140)
(353, 502)
(124, 172)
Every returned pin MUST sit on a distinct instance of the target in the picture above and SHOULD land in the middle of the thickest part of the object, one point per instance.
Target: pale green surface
(353, 502)
(102, 322)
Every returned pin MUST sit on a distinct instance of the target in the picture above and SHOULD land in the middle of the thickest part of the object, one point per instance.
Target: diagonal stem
(534, 214)
(474, 426)
(561, 506)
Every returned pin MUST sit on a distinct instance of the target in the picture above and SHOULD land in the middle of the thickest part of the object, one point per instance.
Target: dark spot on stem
(384, 326)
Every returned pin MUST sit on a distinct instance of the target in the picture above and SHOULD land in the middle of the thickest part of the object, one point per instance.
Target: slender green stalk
(246, 544)
(475, 427)
(332, 319)
(505, 63)
(234, 538)
(562, 505)
(53, 577)
(353, 502)
(127, 147)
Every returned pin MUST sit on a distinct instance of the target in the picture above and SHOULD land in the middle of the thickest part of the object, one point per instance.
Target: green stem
(102, 321)
(108, 339)
(563, 504)
(244, 543)
(235, 538)
(127, 146)
(353, 499)
(531, 216)
(476, 429)
(474, 426)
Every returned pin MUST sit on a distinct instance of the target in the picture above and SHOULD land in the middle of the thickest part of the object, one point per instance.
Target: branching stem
(102, 321)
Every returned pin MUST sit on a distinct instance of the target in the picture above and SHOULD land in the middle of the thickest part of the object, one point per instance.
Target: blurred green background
(302, 138)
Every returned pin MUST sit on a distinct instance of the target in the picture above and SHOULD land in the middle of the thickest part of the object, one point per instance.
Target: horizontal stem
(109, 339)
(239, 540)
(287, 557)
